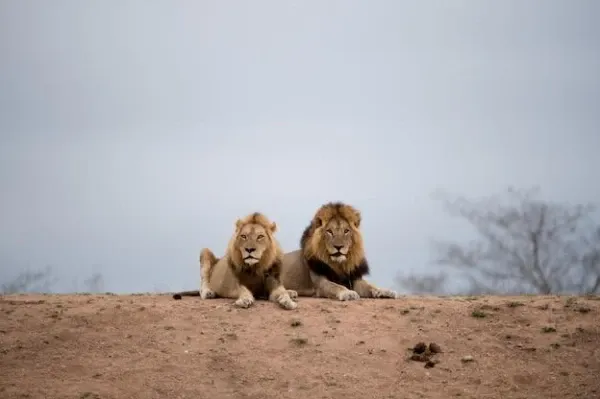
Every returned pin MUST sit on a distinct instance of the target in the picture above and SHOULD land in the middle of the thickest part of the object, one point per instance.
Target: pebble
(434, 348)
(467, 359)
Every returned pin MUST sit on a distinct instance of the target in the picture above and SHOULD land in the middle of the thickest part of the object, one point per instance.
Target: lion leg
(245, 299)
(207, 262)
(368, 290)
(279, 294)
(331, 290)
(282, 297)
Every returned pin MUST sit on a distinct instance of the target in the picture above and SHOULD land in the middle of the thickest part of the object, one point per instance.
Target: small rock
(429, 364)
(420, 347)
(467, 359)
(435, 348)
(418, 357)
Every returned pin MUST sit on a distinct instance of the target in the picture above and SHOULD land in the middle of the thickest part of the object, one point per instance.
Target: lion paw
(293, 294)
(287, 303)
(207, 294)
(244, 302)
(383, 293)
(348, 295)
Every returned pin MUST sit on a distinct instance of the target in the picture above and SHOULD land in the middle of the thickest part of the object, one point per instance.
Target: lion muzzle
(249, 255)
(339, 253)
(249, 260)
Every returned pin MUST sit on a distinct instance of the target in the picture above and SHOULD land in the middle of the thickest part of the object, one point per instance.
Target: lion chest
(254, 283)
(336, 275)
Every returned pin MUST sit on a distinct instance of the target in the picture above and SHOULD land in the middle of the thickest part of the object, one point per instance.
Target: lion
(250, 269)
(331, 261)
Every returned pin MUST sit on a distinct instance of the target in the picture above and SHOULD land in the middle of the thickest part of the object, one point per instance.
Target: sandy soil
(151, 346)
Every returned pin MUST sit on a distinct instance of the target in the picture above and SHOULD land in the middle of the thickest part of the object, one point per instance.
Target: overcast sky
(132, 134)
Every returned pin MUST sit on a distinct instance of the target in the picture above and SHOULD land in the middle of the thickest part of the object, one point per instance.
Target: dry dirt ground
(152, 346)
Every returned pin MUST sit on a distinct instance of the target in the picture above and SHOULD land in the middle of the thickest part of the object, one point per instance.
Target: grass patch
(299, 341)
(296, 323)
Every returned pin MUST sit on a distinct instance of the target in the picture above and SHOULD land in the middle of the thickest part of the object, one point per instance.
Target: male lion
(250, 268)
(331, 260)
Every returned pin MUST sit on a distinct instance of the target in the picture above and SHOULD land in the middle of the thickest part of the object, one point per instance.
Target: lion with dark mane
(250, 269)
(331, 261)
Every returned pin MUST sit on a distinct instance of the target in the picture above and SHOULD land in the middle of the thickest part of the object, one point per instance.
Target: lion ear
(318, 222)
(358, 219)
(238, 224)
(273, 227)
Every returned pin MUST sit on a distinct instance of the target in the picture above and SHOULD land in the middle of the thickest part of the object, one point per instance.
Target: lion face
(334, 236)
(253, 242)
(337, 239)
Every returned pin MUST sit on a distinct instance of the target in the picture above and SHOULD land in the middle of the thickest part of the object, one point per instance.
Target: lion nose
(250, 250)
(338, 247)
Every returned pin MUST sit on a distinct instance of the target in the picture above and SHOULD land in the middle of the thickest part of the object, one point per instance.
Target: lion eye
(329, 232)
(243, 236)
(346, 231)
(260, 237)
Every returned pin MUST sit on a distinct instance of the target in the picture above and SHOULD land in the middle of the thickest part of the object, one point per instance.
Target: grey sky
(128, 129)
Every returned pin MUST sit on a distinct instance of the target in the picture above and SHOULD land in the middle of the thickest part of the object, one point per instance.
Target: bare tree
(95, 283)
(438, 284)
(525, 245)
(28, 281)
(590, 261)
(426, 284)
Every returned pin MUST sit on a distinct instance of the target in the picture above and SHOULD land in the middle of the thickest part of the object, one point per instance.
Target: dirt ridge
(151, 346)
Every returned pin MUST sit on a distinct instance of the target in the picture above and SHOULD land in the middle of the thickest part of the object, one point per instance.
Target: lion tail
(207, 261)
(179, 295)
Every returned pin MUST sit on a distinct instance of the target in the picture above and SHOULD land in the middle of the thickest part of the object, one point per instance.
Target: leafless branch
(430, 284)
(28, 281)
(525, 243)
(95, 283)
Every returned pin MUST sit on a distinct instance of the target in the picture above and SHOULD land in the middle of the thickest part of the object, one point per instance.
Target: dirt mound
(152, 346)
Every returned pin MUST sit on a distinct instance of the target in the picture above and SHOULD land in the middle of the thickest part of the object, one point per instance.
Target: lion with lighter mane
(331, 261)
(250, 269)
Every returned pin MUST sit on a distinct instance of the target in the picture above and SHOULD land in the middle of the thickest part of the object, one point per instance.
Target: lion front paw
(244, 302)
(293, 294)
(347, 295)
(383, 293)
(207, 294)
(287, 303)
